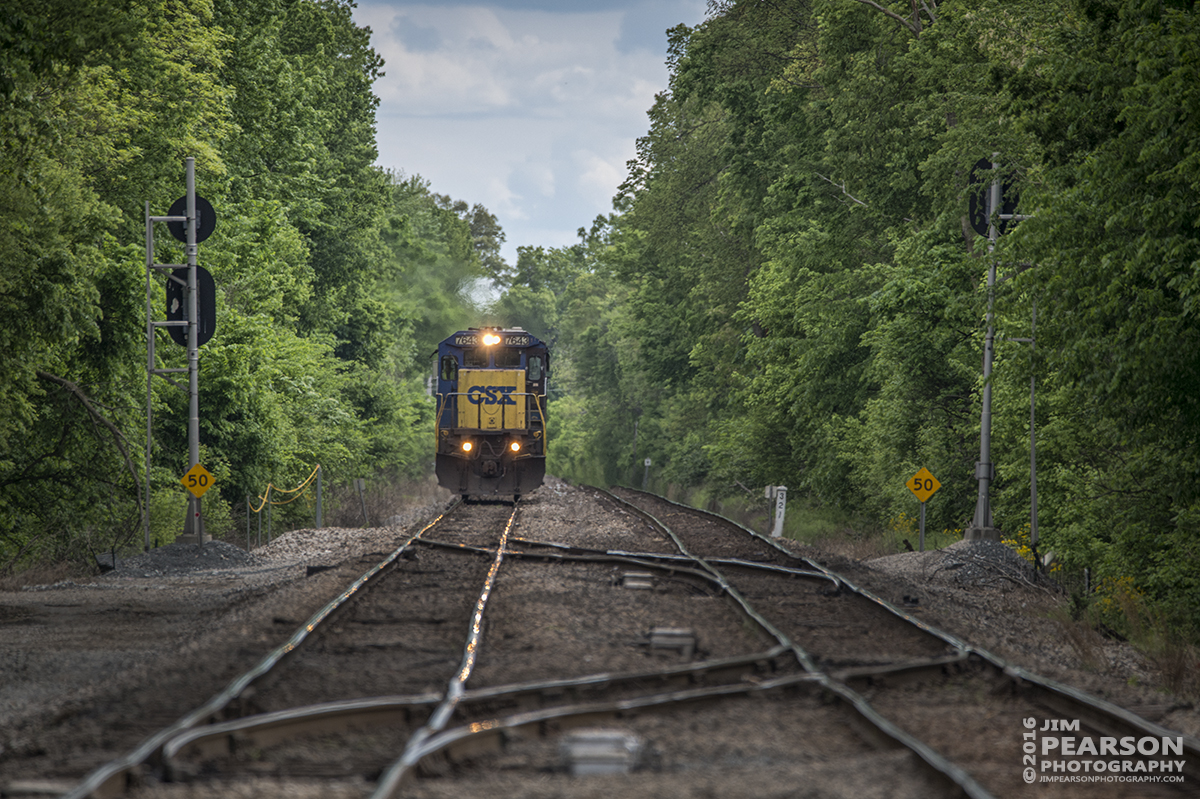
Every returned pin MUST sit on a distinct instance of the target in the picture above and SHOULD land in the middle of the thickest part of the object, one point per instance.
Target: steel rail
(386, 710)
(654, 562)
(398, 772)
(938, 763)
(663, 561)
(707, 573)
(110, 778)
(953, 641)
(476, 733)
(1060, 697)
(1099, 713)
(267, 728)
(904, 670)
(1055, 695)
(800, 654)
(748, 564)
(455, 690)
(584, 557)
(164, 746)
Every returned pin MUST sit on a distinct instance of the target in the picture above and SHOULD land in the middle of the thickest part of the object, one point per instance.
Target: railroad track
(498, 649)
(970, 706)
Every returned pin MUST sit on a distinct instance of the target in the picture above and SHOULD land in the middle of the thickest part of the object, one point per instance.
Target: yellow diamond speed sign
(197, 480)
(923, 484)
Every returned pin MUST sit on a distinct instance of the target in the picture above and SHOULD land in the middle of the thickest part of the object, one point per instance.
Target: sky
(530, 107)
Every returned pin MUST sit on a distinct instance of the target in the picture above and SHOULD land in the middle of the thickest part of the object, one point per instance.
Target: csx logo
(491, 395)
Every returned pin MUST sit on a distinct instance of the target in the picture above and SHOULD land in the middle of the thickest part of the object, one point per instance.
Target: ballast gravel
(70, 652)
(964, 564)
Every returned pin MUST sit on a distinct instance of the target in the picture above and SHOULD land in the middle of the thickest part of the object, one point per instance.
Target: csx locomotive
(491, 412)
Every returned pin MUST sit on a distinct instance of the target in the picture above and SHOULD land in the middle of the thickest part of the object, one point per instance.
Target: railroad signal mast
(996, 217)
(190, 308)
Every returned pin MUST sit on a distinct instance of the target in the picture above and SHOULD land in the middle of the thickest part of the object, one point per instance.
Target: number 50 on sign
(197, 480)
(923, 484)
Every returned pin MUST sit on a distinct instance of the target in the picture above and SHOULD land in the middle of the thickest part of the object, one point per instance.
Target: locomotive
(491, 412)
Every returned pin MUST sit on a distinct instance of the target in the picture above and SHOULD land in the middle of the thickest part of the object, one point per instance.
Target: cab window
(475, 359)
(535, 368)
(508, 358)
(449, 368)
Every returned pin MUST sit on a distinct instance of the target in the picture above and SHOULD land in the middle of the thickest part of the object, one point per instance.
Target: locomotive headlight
(490, 338)
(515, 446)
(467, 445)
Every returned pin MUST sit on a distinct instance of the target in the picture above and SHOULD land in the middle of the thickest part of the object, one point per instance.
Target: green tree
(81, 116)
(431, 267)
(99, 104)
(1114, 240)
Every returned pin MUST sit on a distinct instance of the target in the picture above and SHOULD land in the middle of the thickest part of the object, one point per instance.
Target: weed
(40, 574)
(1120, 607)
(1082, 637)
(1022, 544)
(904, 531)
(384, 499)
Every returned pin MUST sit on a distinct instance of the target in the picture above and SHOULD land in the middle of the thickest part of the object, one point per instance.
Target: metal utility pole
(195, 314)
(1001, 204)
(319, 519)
(1033, 514)
(1033, 525)
(981, 528)
(193, 529)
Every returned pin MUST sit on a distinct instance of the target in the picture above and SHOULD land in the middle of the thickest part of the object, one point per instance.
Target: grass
(1083, 638)
(1177, 662)
(41, 574)
(341, 506)
(1171, 648)
(829, 529)
(1173, 654)
(384, 498)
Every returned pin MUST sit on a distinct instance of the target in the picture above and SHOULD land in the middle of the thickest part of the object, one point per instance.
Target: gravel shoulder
(73, 656)
(984, 594)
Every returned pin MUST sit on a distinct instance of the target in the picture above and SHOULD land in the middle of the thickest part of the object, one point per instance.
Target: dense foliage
(789, 290)
(791, 293)
(334, 277)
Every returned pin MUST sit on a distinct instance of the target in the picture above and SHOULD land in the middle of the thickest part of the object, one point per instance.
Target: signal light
(466, 446)
(515, 446)
(490, 338)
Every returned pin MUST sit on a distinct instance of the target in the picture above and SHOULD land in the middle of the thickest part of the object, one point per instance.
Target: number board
(515, 340)
(197, 480)
(923, 484)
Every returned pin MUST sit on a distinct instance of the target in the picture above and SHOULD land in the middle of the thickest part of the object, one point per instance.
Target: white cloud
(599, 176)
(475, 60)
(521, 105)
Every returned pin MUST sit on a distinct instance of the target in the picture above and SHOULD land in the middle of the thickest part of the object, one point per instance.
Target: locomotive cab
(491, 412)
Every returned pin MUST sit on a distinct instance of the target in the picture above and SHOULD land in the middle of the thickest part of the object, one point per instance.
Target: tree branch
(98, 418)
(843, 188)
(915, 27)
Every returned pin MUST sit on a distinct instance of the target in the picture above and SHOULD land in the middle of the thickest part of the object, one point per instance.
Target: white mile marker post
(780, 510)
